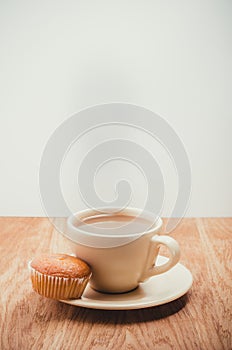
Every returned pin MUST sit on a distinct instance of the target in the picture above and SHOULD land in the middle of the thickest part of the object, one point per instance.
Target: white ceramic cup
(120, 263)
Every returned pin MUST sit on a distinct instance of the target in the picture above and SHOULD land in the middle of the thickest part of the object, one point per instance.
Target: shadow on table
(64, 311)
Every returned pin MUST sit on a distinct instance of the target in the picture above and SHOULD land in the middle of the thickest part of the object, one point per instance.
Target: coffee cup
(121, 246)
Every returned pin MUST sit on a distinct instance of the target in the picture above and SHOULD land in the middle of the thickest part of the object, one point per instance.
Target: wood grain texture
(199, 320)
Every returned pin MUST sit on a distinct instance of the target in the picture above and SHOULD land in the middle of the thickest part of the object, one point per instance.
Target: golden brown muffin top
(61, 265)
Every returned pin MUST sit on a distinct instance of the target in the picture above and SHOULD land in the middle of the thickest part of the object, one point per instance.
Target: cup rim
(156, 221)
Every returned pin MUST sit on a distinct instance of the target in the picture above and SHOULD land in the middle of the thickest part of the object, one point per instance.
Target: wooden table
(199, 320)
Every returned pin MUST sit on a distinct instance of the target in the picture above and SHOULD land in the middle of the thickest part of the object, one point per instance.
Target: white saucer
(158, 290)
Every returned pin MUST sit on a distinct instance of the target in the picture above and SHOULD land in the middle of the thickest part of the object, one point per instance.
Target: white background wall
(173, 57)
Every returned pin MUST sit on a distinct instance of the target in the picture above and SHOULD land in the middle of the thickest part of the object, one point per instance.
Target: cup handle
(174, 250)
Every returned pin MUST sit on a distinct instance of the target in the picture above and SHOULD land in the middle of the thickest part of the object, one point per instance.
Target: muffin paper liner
(58, 287)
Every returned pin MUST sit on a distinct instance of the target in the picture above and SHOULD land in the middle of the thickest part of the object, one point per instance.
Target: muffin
(59, 276)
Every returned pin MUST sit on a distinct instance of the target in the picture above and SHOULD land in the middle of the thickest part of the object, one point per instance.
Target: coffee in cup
(121, 246)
